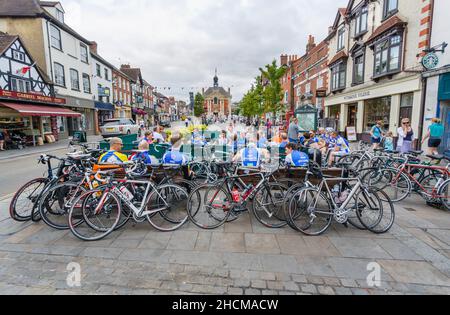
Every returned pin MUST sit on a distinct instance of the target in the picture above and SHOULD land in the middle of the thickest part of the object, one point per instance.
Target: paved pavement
(241, 258)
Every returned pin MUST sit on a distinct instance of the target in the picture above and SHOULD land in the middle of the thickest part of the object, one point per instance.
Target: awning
(38, 110)
(105, 106)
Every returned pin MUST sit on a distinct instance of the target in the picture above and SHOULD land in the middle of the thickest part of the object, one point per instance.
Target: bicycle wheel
(23, 202)
(396, 186)
(55, 204)
(209, 206)
(368, 208)
(444, 192)
(310, 211)
(388, 218)
(95, 225)
(267, 206)
(169, 202)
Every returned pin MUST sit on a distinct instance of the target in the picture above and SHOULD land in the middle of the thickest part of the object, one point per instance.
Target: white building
(375, 64)
(60, 51)
(102, 86)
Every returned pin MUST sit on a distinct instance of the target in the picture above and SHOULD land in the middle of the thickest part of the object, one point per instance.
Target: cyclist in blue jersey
(251, 156)
(144, 155)
(174, 156)
(340, 147)
(296, 158)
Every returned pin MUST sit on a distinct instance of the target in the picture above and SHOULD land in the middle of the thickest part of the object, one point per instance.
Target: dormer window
(60, 15)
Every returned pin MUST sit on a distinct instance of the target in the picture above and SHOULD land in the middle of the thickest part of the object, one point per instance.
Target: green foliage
(273, 93)
(199, 102)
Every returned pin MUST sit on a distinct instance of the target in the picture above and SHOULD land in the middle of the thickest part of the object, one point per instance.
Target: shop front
(387, 102)
(105, 111)
(85, 121)
(34, 124)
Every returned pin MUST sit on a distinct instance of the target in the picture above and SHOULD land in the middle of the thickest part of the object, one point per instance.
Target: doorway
(444, 148)
(352, 114)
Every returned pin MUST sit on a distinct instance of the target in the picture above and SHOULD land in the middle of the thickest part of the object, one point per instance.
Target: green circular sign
(430, 61)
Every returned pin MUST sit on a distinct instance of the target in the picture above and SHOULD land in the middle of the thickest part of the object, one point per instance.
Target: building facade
(437, 78)
(28, 106)
(102, 78)
(60, 51)
(374, 62)
(217, 100)
(121, 94)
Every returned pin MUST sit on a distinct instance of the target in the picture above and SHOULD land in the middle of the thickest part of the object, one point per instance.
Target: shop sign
(321, 93)
(357, 95)
(430, 61)
(351, 134)
(31, 97)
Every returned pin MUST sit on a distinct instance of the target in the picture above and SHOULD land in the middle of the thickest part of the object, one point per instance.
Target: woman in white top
(406, 137)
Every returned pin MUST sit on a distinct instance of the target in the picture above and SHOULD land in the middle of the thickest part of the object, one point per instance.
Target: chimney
(93, 46)
(203, 91)
(311, 44)
(125, 67)
(284, 60)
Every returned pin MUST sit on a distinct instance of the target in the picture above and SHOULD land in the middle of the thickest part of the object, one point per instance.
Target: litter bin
(80, 137)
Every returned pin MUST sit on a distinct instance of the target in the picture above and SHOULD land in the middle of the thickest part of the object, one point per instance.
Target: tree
(272, 91)
(252, 102)
(199, 103)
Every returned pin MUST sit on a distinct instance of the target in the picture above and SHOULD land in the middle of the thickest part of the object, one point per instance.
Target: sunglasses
(406, 123)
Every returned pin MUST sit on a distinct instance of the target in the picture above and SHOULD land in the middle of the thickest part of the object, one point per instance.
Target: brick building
(122, 94)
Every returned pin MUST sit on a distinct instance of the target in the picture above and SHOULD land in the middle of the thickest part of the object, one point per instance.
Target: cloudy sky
(179, 43)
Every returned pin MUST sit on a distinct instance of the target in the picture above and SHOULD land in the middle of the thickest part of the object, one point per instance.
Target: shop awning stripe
(37, 110)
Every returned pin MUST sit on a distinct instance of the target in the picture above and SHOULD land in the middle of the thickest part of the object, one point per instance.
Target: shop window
(376, 110)
(387, 56)
(46, 125)
(406, 106)
(61, 124)
(334, 111)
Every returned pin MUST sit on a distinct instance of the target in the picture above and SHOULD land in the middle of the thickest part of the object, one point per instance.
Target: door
(352, 112)
(444, 148)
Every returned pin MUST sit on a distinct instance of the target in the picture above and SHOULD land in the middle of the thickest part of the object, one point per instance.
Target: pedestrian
(148, 137)
(434, 134)
(406, 137)
(389, 141)
(2, 141)
(293, 131)
(269, 129)
(157, 136)
(377, 134)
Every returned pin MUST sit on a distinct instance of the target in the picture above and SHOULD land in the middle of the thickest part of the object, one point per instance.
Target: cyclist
(113, 156)
(174, 156)
(339, 146)
(296, 158)
(144, 155)
(250, 156)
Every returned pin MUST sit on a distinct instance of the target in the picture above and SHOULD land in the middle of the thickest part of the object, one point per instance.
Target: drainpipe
(50, 56)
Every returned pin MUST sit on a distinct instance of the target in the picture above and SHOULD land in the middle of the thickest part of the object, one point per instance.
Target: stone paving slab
(242, 257)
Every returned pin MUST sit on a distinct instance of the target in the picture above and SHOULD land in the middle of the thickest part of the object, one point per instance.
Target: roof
(133, 73)
(221, 90)
(6, 41)
(20, 8)
(33, 8)
(99, 58)
(392, 22)
(49, 3)
(121, 73)
(341, 12)
(340, 55)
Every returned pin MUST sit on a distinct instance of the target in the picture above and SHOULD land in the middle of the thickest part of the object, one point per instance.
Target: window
(286, 96)
(358, 68)
(84, 53)
(390, 8)
(86, 83)
(406, 106)
(19, 85)
(106, 74)
(60, 78)
(299, 91)
(387, 55)
(361, 21)
(320, 82)
(308, 88)
(19, 56)
(338, 76)
(60, 15)
(55, 37)
(334, 111)
(341, 35)
(99, 71)
(216, 101)
(74, 80)
(375, 110)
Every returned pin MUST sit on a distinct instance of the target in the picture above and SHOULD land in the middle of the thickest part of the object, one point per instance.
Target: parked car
(118, 127)
(165, 124)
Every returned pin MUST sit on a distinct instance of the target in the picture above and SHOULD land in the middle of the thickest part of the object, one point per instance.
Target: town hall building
(217, 100)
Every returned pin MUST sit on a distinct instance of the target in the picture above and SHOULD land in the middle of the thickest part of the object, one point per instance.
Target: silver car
(118, 127)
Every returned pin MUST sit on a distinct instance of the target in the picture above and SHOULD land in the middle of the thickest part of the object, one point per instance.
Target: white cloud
(178, 43)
